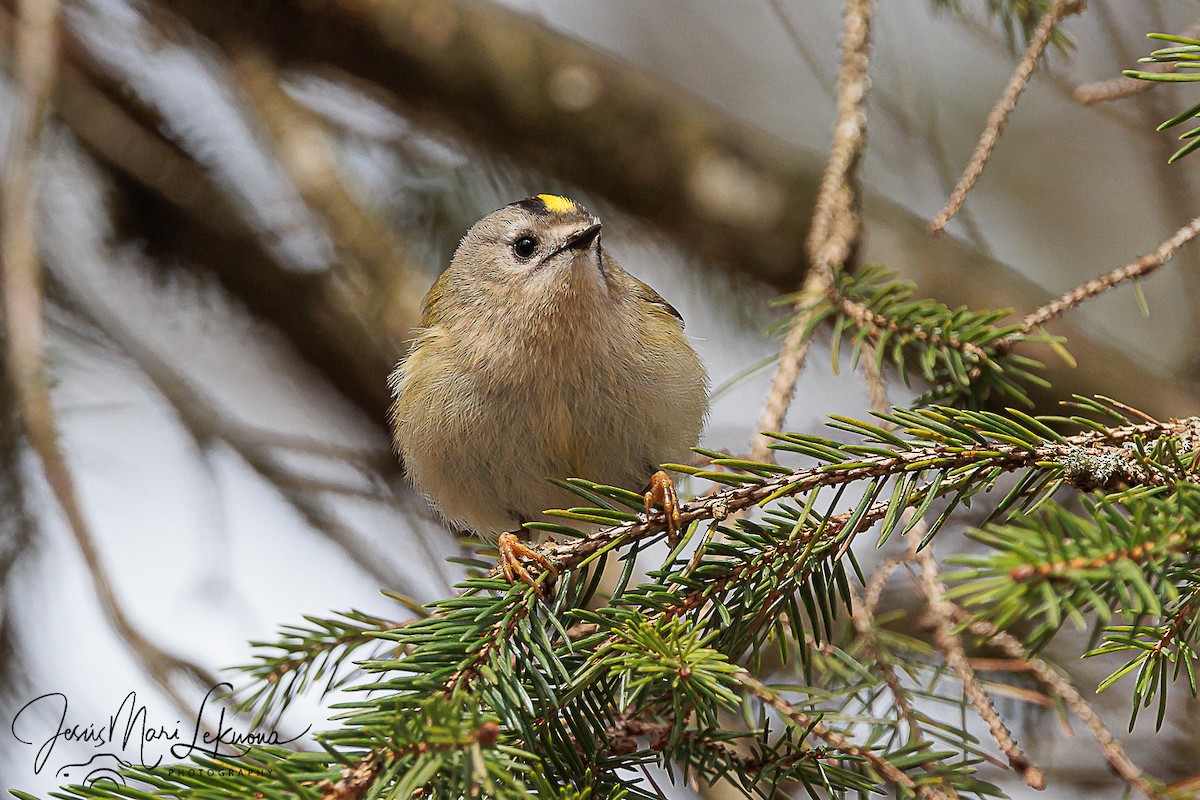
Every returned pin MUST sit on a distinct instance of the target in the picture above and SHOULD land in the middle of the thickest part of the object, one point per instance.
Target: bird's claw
(512, 549)
(662, 491)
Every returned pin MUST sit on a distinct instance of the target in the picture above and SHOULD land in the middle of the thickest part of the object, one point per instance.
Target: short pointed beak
(582, 240)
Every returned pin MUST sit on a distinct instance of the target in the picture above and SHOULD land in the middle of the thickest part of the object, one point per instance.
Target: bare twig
(35, 58)
(791, 363)
(1138, 268)
(805, 721)
(863, 618)
(1054, 79)
(1118, 88)
(941, 612)
(877, 391)
(1000, 113)
(1058, 683)
(836, 224)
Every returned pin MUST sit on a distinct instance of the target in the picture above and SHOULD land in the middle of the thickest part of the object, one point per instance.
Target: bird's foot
(512, 549)
(662, 491)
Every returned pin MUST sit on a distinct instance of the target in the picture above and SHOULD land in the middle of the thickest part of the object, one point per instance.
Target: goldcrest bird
(539, 357)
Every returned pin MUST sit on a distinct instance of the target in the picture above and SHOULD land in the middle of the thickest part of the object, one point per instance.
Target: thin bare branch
(1058, 683)
(863, 618)
(35, 59)
(1118, 88)
(1138, 268)
(837, 223)
(998, 118)
(941, 611)
(1121, 87)
(805, 721)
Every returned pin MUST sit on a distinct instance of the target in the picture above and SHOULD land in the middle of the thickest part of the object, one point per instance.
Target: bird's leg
(662, 490)
(511, 551)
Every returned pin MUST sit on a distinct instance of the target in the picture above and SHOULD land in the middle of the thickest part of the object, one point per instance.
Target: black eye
(525, 247)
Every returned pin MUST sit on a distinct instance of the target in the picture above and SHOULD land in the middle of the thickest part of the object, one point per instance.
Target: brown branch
(1121, 87)
(941, 611)
(1174, 543)
(1110, 746)
(34, 60)
(1055, 80)
(836, 222)
(1118, 88)
(1179, 620)
(998, 118)
(1138, 268)
(791, 362)
(805, 721)
(863, 619)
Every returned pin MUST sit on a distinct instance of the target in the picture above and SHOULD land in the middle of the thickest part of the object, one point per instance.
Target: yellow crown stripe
(558, 205)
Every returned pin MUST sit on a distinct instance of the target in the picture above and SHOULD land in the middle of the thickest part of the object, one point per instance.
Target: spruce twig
(1002, 456)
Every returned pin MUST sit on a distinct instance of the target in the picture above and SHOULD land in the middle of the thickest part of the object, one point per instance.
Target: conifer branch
(963, 354)
(847, 467)
(877, 324)
(303, 655)
(489, 691)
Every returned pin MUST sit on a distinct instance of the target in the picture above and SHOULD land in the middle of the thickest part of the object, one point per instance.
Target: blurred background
(240, 206)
